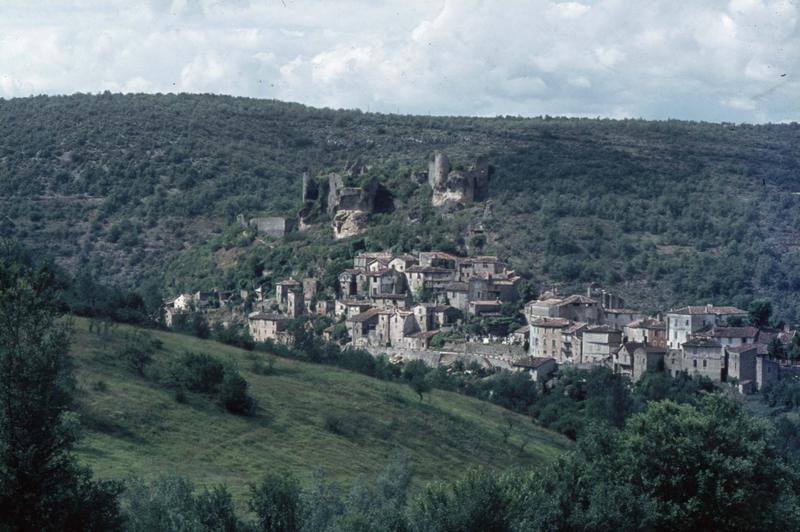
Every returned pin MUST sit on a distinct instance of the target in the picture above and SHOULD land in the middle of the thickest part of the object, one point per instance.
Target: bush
(277, 504)
(199, 373)
(233, 394)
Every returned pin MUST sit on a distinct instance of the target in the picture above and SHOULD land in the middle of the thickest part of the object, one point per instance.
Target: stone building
(618, 318)
(403, 262)
(684, 322)
(348, 308)
(600, 343)
(704, 357)
(264, 326)
(457, 295)
(269, 225)
(428, 277)
(648, 330)
(546, 338)
(575, 308)
(634, 359)
(539, 368)
(741, 366)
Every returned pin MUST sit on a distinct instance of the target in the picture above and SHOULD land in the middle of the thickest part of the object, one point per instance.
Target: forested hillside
(664, 212)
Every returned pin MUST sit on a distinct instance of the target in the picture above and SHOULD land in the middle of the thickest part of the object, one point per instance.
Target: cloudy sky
(736, 60)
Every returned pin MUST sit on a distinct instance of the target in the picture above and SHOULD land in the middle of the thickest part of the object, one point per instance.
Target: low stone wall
(496, 350)
(441, 358)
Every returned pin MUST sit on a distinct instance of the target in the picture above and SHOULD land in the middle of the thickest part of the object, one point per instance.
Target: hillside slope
(136, 427)
(664, 212)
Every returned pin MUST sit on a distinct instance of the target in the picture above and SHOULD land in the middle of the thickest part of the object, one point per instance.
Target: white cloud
(710, 59)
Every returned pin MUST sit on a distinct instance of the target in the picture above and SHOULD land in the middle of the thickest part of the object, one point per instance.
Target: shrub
(199, 373)
(233, 394)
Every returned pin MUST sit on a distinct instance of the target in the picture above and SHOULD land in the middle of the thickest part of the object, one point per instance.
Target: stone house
(732, 336)
(634, 359)
(403, 262)
(539, 368)
(705, 357)
(283, 288)
(741, 366)
(438, 259)
(456, 294)
(768, 371)
(446, 315)
(402, 323)
(546, 338)
(347, 308)
(574, 308)
(600, 343)
(648, 330)
(386, 281)
(264, 326)
(572, 341)
(424, 314)
(324, 307)
(618, 318)
(481, 266)
(363, 260)
(401, 301)
(522, 335)
(682, 323)
(428, 277)
(295, 303)
(485, 307)
(420, 341)
(363, 328)
(353, 283)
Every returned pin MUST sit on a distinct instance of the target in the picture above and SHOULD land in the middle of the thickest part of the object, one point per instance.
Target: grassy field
(136, 427)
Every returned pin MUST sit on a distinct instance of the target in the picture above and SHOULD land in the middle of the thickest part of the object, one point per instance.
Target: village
(397, 305)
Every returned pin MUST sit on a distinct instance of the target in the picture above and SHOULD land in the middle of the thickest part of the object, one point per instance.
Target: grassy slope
(136, 427)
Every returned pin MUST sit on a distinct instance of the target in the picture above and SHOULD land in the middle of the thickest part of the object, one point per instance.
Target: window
(705, 363)
(695, 363)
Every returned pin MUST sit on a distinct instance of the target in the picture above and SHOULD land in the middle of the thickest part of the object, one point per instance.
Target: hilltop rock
(350, 206)
(455, 188)
(348, 223)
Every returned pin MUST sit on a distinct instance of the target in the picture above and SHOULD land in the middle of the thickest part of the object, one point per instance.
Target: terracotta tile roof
(707, 309)
(555, 323)
(647, 323)
(734, 332)
(702, 342)
(367, 314)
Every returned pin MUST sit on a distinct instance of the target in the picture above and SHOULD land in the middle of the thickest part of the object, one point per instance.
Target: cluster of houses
(596, 330)
(398, 301)
(402, 301)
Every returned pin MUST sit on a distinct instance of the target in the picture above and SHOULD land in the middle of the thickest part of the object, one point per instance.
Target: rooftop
(702, 342)
(556, 323)
(707, 309)
(267, 316)
(427, 269)
(734, 332)
(367, 314)
(456, 287)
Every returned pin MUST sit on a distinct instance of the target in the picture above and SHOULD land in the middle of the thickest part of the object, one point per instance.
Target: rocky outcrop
(349, 223)
(453, 188)
(350, 206)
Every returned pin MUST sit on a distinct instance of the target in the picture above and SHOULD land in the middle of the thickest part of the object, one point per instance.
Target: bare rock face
(347, 223)
(438, 168)
(350, 206)
(335, 185)
(452, 189)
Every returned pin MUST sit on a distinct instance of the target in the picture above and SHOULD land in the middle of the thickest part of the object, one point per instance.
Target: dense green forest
(144, 190)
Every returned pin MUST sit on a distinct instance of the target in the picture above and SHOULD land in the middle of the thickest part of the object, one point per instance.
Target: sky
(713, 60)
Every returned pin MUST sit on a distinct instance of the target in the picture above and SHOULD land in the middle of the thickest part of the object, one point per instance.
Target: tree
(42, 487)
(415, 373)
(138, 351)
(775, 348)
(233, 393)
(672, 467)
(760, 312)
(277, 503)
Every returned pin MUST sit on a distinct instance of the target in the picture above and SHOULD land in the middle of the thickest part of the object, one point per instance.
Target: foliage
(276, 502)
(760, 312)
(233, 394)
(138, 351)
(170, 503)
(42, 486)
(673, 467)
(667, 213)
